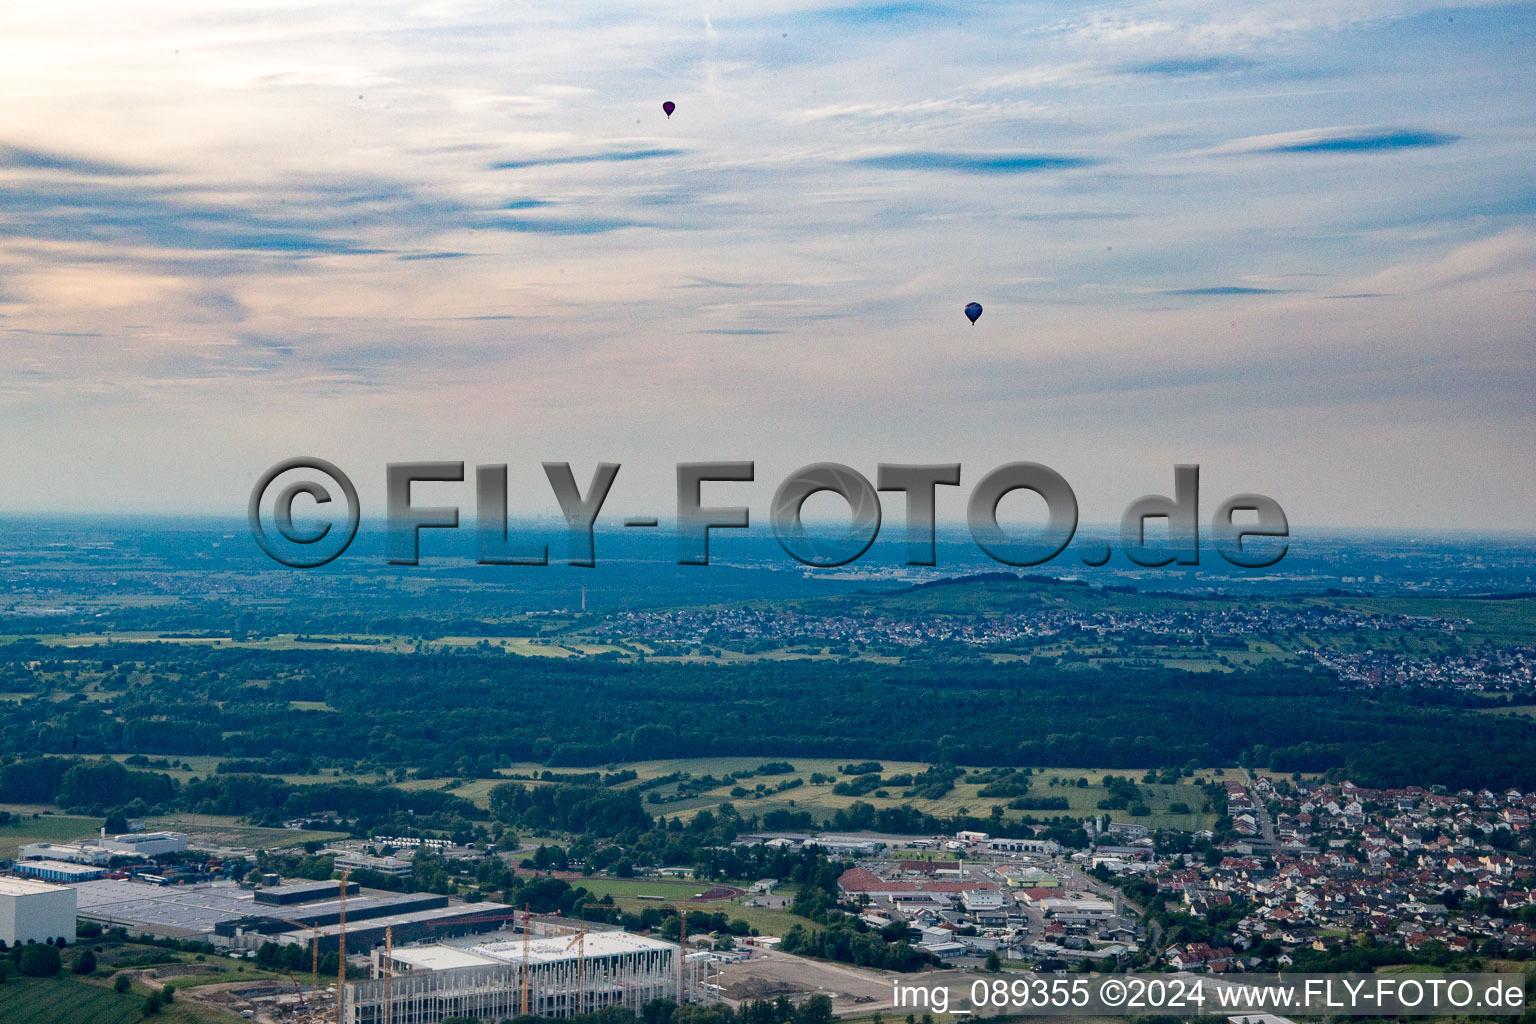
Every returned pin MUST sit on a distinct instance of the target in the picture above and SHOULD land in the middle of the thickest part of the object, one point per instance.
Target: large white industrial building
(144, 844)
(35, 911)
(565, 975)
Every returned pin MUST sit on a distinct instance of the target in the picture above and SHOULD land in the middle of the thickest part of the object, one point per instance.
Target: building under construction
(508, 975)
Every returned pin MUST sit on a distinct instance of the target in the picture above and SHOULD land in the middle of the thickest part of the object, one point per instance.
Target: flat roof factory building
(145, 844)
(59, 870)
(35, 911)
(227, 915)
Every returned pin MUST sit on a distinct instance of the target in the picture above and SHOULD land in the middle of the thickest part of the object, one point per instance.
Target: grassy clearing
(1523, 710)
(45, 828)
(227, 831)
(629, 888)
(820, 799)
(964, 798)
(626, 893)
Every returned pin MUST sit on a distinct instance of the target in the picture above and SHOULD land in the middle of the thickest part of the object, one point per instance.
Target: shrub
(39, 960)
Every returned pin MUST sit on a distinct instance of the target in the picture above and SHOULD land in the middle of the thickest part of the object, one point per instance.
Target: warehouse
(145, 844)
(301, 892)
(164, 911)
(566, 975)
(227, 915)
(74, 853)
(59, 870)
(409, 920)
(35, 911)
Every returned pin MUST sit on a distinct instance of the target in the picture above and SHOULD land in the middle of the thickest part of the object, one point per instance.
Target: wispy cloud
(558, 225)
(618, 156)
(1338, 140)
(1174, 67)
(17, 157)
(1225, 289)
(976, 163)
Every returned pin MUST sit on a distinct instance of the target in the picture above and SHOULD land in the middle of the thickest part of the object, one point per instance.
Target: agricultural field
(525, 646)
(66, 999)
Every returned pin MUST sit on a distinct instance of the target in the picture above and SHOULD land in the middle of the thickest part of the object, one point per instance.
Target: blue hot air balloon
(973, 310)
(667, 108)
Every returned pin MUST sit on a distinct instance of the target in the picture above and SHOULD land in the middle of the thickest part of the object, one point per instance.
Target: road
(1261, 813)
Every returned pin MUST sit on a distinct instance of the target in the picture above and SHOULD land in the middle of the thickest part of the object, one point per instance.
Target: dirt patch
(717, 894)
(760, 988)
(179, 970)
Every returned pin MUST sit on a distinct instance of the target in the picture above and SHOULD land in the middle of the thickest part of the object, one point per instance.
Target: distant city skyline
(1292, 242)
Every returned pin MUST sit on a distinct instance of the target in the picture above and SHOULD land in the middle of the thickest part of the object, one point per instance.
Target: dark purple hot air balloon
(973, 310)
(668, 107)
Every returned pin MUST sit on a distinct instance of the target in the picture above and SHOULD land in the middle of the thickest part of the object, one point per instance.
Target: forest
(463, 715)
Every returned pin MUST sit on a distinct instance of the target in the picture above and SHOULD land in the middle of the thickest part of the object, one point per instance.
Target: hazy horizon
(1293, 243)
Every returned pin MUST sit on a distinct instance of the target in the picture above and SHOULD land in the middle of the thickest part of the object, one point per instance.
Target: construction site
(508, 975)
(487, 961)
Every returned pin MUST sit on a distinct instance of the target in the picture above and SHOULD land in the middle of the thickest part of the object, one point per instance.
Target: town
(1296, 873)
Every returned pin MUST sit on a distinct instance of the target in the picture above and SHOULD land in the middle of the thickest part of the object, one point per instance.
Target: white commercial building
(1077, 908)
(75, 853)
(1046, 846)
(35, 911)
(145, 844)
(366, 862)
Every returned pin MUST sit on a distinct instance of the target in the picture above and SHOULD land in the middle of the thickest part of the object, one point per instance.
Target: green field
(70, 1000)
(820, 799)
(1524, 710)
(631, 888)
(227, 831)
(525, 646)
(964, 798)
(45, 828)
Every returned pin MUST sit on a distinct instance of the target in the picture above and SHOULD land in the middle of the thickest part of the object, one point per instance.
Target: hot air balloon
(973, 310)
(668, 107)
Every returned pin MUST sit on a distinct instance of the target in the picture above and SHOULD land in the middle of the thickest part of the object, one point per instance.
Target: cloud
(17, 158)
(880, 15)
(1371, 141)
(1337, 140)
(170, 218)
(615, 156)
(559, 225)
(1173, 67)
(1226, 289)
(975, 163)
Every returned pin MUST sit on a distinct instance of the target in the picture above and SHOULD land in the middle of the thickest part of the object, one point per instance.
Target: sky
(1291, 241)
